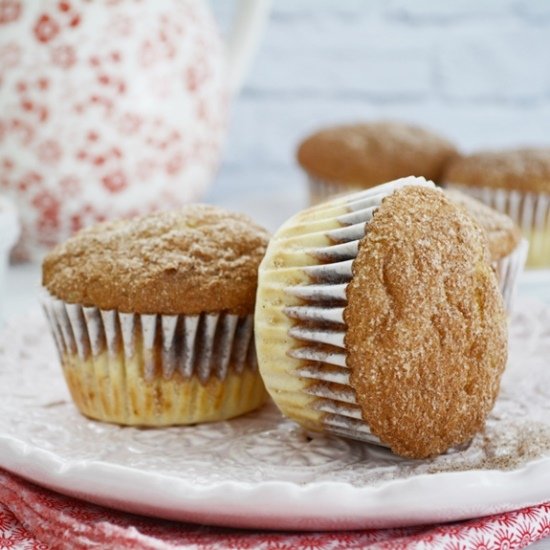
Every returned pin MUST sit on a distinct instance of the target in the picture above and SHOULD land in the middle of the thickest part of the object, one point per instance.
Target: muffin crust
(197, 259)
(525, 169)
(502, 233)
(426, 332)
(372, 153)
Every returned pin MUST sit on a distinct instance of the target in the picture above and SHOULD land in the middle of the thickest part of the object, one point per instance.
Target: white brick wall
(476, 70)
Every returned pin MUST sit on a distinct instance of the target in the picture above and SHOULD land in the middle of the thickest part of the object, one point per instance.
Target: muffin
(349, 158)
(515, 182)
(153, 317)
(507, 249)
(379, 318)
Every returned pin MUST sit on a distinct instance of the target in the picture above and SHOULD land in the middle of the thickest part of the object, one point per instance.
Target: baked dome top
(526, 169)
(503, 234)
(372, 153)
(197, 259)
(426, 332)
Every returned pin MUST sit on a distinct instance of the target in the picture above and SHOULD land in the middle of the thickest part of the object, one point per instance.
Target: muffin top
(372, 153)
(427, 333)
(197, 259)
(520, 169)
(503, 234)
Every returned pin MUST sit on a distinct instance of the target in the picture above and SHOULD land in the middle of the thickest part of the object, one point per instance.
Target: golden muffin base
(293, 394)
(538, 256)
(113, 390)
(156, 370)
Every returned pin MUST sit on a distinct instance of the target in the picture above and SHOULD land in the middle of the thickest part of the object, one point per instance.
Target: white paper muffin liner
(530, 211)
(321, 190)
(193, 345)
(509, 270)
(320, 328)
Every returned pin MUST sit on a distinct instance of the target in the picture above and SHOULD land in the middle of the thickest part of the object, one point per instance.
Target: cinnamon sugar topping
(198, 259)
(503, 234)
(522, 169)
(427, 336)
(373, 153)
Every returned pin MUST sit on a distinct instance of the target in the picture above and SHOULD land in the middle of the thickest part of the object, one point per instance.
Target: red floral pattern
(10, 56)
(78, 122)
(46, 28)
(10, 10)
(114, 182)
(64, 56)
(32, 517)
(49, 151)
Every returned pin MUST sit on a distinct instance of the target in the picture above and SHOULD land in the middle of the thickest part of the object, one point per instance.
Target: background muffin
(358, 156)
(515, 182)
(507, 249)
(153, 317)
(379, 318)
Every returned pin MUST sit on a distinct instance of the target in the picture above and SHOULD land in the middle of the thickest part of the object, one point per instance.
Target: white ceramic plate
(262, 471)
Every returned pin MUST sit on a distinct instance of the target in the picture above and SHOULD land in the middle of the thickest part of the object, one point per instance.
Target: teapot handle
(243, 37)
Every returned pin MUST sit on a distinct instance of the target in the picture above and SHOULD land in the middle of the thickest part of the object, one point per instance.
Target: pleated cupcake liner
(322, 190)
(530, 211)
(194, 345)
(509, 270)
(137, 369)
(317, 320)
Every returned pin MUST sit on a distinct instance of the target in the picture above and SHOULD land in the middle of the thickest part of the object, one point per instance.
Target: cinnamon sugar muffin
(351, 157)
(515, 182)
(153, 317)
(507, 249)
(379, 318)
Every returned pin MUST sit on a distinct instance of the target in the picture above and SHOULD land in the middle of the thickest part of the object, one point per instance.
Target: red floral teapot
(112, 107)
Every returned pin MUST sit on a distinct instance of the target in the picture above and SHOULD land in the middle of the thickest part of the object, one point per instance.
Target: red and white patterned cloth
(38, 519)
